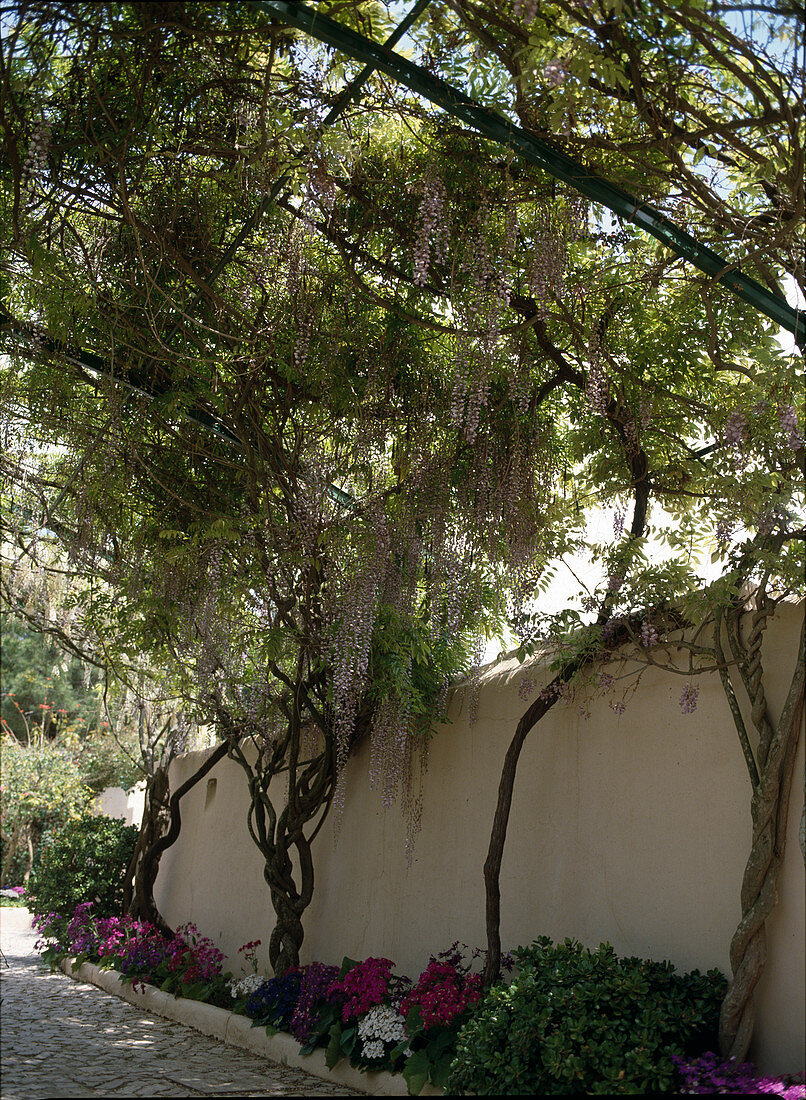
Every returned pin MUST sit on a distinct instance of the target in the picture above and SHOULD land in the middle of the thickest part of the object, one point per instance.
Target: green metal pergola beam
(537, 152)
(347, 95)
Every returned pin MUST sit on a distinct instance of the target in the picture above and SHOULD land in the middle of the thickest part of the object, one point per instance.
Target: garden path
(62, 1038)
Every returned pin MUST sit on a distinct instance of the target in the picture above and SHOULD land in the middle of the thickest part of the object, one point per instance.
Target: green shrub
(576, 1021)
(85, 860)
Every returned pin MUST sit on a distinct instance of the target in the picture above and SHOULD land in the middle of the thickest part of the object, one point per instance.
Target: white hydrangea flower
(379, 1026)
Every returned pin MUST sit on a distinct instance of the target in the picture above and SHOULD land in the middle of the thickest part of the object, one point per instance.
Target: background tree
(136, 723)
(42, 787)
(57, 749)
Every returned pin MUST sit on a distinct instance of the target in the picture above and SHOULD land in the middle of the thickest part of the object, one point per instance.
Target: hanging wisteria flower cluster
(789, 426)
(689, 697)
(735, 431)
(355, 615)
(525, 9)
(36, 158)
(432, 232)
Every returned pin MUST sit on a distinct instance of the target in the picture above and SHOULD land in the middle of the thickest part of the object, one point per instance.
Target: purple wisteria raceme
(525, 9)
(432, 232)
(526, 687)
(722, 534)
(546, 272)
(597, 389)
(649, 635)
(735, 430)
(37, 156)
(555, 72)
(688, 698)
(789, 425)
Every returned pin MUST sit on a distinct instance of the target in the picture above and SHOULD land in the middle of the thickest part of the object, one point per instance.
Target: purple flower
(688, 698)
(722, 534)
(709, 1074)
(735, 430)
(313, 991)
(789, 424)
(555, 72)
(526, 687)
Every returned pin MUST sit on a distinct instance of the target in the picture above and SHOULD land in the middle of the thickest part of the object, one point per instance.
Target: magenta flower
(442, 993)
(362, 987)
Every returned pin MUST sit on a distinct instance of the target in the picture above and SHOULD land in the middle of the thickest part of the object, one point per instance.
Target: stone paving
(62, 1038)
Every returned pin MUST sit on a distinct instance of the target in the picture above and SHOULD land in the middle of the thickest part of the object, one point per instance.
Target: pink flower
(442, 994)
(363, 987)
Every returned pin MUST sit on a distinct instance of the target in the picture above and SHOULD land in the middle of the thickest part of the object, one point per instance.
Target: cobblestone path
(62, 1038)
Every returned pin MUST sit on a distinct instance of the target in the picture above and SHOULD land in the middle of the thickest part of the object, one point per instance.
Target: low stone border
(238, 1031)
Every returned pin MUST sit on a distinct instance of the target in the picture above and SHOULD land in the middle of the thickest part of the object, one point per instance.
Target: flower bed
(442, 1029)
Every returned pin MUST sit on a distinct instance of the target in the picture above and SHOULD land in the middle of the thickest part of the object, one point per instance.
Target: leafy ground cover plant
(186, 964)
(577, 1020)
(572, 1021)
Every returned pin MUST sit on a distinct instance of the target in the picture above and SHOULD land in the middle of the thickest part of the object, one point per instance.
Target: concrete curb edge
(238, 1031)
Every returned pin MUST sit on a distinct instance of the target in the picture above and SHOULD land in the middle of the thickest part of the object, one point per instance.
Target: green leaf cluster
(85, 860)
(576, 1020)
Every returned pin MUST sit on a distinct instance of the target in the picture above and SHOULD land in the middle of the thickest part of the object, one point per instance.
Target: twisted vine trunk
(138, 899)
(309, 793)
(289, 904)
(154, 838)
(769, 808)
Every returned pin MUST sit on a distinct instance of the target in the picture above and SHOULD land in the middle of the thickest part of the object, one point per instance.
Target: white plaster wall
(126, 805)
(633, 829)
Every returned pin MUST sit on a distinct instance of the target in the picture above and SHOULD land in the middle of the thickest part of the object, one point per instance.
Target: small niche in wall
(211, 786)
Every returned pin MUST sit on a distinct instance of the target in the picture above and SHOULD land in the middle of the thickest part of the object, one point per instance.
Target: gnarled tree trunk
(162, 822)
(769, 809)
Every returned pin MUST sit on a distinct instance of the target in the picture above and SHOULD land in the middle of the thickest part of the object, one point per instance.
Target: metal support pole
(494, 126)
